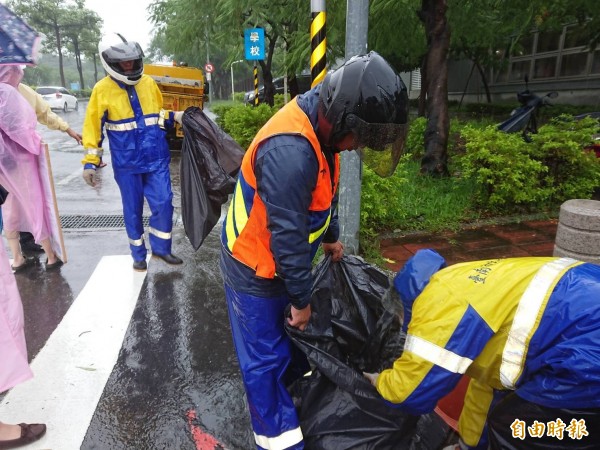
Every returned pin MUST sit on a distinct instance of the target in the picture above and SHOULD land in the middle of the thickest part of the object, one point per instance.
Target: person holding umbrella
(20, 172)
(14, 368)
(19, 45)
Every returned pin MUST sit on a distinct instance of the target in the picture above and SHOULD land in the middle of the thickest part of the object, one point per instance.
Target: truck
(181, 87)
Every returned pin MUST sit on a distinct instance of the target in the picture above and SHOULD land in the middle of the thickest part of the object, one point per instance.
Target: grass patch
(408, 201)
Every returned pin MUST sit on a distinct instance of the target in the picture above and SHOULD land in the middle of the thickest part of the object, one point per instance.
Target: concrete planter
(578, 232)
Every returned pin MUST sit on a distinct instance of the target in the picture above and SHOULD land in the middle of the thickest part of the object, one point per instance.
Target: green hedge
(493, 173)
(243, 122)
(513, 175)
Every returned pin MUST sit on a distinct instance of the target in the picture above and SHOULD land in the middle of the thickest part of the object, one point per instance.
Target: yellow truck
(181, 87)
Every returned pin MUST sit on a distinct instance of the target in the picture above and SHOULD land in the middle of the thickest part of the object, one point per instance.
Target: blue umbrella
(18, 41)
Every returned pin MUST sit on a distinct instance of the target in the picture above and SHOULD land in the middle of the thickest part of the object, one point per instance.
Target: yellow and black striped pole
(318, 42)
(255, 85)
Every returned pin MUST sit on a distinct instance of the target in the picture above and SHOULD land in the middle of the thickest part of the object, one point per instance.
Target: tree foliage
(484, 31)
(186, 32)
(83, 41)
(187, 27)
(552, 168)
(64, 24)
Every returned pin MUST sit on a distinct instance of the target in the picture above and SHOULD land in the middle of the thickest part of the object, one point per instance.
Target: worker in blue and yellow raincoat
(128, 105)
(526, 331)
(282, 209)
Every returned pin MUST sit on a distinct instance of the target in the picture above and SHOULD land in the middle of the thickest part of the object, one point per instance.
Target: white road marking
(70, 372)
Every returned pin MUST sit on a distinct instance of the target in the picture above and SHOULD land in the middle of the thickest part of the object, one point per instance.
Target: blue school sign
(254, 43)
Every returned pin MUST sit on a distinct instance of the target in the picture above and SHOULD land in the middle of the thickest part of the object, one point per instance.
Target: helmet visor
(380, 145)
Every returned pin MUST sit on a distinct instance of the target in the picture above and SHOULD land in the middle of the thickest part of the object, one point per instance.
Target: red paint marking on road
(203, 440)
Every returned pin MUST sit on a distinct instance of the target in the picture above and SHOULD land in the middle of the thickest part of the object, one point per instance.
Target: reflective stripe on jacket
(134, 121)
(246, 235)
(524, 324)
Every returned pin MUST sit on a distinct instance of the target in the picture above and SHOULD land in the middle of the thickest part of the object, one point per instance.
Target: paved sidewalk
(530, 238)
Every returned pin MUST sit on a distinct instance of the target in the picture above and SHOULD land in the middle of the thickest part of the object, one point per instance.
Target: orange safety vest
(245, 234)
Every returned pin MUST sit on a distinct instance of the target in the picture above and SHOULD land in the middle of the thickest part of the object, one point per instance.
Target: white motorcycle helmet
(114, 49)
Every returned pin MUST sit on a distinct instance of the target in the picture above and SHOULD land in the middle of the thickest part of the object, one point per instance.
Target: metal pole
(232, 87)
(285, 78)
(209, 75)
(255, 85)
(357, 25)
(318, 41)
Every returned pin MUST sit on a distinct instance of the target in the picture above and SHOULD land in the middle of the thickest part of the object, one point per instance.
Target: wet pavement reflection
(177, 362)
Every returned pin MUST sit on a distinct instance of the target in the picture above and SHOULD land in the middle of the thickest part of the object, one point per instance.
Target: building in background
(552, 60)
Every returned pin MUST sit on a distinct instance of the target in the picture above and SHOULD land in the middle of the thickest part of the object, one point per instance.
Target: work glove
(177, 116)
(372, 377)
(89, 176)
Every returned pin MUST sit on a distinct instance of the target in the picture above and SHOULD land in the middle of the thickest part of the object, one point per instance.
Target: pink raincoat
(14, 368)
(23, 166)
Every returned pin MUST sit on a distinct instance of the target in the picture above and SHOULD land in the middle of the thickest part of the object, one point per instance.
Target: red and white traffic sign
(208, 67)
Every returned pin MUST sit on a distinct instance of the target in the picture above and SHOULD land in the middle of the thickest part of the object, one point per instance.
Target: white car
(58, 97)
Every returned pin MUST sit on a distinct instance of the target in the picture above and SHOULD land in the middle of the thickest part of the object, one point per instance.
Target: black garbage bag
(210, 161)
(355, 327)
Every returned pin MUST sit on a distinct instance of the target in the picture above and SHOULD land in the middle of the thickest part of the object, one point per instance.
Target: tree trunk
(484, 81)
(433, 14)
(293, 88)
(78, 62)
(60, 55)
(95, 70)
(266, 65)
(462, 97)
(268, 88)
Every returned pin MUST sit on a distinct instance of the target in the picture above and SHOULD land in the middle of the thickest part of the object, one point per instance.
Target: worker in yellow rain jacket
(527, 333)
(128, 105)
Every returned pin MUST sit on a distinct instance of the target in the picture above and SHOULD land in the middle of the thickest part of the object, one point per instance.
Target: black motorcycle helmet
(114, 49)
(366, 97)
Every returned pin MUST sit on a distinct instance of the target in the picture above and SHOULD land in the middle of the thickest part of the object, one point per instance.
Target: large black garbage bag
(210, 160)
(355, 327)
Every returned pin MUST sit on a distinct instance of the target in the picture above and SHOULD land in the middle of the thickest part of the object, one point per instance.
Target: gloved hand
(89, 176)
(372, 377)
(177, 116)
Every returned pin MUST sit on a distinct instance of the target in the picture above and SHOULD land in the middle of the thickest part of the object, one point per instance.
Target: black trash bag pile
(210, 161)
(355, 327)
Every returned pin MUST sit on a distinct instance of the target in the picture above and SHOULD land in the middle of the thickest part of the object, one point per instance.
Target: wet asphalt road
(176, 383)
